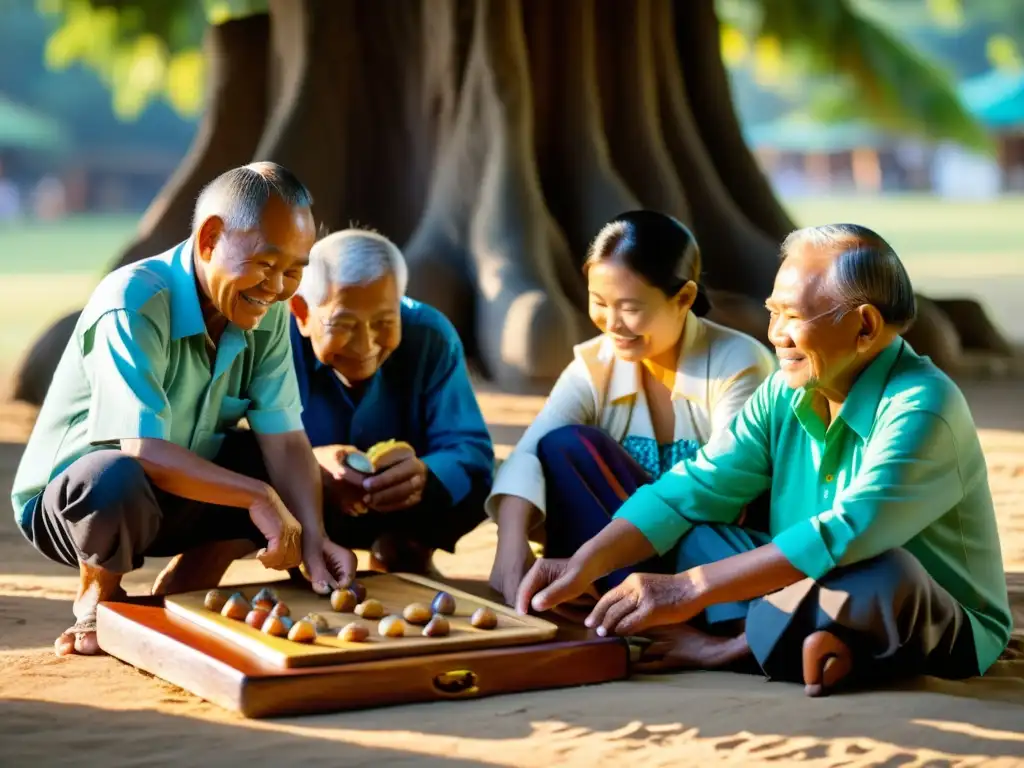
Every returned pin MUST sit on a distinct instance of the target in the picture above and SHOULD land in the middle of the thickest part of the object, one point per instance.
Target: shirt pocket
(232, 410)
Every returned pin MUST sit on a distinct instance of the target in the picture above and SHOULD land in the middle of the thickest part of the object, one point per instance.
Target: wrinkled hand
(332, 458)
(512, 561)
(550, 583)
(398, 484)
(282, 531)
(644, 600)
(342, 484)
(327, 565)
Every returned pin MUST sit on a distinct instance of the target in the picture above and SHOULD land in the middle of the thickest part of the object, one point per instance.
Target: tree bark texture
(492, 139)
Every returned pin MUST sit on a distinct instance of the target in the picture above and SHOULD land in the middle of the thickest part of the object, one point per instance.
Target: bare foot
(200, 568)
(94, 586)
(682, 647)
(827, 660)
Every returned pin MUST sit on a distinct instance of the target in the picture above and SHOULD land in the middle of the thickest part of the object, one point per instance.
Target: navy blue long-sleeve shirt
(421, 394)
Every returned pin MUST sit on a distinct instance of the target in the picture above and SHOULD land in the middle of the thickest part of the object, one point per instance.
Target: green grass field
(974, 249)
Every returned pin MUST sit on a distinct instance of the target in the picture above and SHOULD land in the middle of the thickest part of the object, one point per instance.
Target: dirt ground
(101, 712)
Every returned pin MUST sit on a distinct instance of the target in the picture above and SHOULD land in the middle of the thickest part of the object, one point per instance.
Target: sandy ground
(102, 712)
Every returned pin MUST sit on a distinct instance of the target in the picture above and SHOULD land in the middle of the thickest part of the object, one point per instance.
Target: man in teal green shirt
(134, 452)
(883, 554)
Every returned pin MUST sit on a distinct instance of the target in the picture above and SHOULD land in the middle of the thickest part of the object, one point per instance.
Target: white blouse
(718, 370)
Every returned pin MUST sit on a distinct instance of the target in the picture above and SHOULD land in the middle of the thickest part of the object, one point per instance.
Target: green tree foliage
(142, 49)
(147, 49)
(76, 97)
(858, 66)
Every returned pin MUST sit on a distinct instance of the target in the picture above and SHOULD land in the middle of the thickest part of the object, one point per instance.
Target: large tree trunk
(493, 138)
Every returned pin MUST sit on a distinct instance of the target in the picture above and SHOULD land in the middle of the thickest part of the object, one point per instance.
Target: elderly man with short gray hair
(135, 452)
(883, 557)
(374, 366)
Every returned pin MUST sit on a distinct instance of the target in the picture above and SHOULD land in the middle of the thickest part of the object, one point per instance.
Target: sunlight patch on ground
(974, 731)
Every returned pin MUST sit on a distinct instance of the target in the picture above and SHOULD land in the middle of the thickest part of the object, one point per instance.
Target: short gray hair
(238, 196)
(866, 270)
(351, 257)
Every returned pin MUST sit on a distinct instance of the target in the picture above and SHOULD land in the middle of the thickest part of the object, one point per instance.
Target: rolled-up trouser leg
(100, 511)
(103, 511)
(896, 620)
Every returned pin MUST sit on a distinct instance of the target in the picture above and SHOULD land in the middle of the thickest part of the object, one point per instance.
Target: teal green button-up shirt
(900, 466)
(138, 366)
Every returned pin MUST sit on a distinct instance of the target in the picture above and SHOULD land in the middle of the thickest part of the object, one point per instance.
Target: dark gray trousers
(896, 620)
(103, 511)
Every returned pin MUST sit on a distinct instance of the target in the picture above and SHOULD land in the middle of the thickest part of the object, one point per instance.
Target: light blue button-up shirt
(138, 366)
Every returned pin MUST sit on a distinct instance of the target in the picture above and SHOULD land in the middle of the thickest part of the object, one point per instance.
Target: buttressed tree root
(492, 139)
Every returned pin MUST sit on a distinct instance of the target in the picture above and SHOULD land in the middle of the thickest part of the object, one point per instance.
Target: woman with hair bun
(647, 393)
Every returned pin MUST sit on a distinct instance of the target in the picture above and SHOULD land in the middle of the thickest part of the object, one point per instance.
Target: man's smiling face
(246, 271)
(814, 339)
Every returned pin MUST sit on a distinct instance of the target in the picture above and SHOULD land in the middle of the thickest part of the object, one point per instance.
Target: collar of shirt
(187, 314)
(691, 379)
(861, 405)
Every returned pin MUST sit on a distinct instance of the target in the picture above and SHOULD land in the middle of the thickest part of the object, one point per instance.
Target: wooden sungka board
(141, 632)
(395, 591)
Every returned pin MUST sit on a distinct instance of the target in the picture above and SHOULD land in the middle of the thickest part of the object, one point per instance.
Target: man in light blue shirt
(134, 453)
(882, 557)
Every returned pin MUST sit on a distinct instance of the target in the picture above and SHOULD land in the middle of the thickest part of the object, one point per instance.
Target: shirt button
(829, 478)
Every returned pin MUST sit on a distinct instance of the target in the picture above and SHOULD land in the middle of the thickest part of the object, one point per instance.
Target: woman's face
(642, 321)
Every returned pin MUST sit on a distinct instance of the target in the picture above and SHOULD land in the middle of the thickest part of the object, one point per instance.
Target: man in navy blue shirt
(373, 365)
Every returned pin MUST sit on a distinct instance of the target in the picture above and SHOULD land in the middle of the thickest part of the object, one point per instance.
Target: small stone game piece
(266, 599)
(436, 627)
(353, 633)
(302, 631)
(484, 618)
(443, 603)
(215, 600)
(417, 613)
(237, 607)
(319, 622)
(256, 617)
(370, 609)
(343, 600)
(358, 590)
(391, 626)
(274, 625)
(280, 609)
